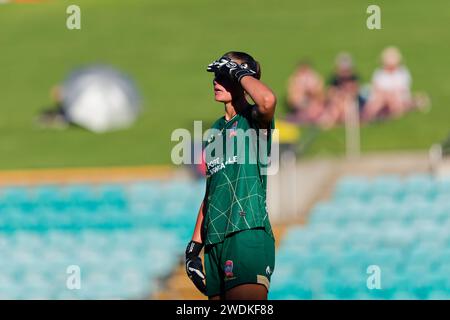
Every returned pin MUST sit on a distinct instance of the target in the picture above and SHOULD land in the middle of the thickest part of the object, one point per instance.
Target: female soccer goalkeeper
(233, 223)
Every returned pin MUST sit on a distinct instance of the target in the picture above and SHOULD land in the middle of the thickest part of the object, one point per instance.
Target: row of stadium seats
(331, 256)
(124, 238)
(107, 260)
(102, 193)
(10, 222)
(392, 186)
(91, 190)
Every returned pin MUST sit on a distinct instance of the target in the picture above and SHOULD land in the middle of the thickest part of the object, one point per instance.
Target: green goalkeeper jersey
(237, 155)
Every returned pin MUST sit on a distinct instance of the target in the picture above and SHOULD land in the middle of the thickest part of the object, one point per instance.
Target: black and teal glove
(232, 69)
(194, 267)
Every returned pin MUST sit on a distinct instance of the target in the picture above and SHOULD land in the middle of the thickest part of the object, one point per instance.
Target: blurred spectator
(55, 116)
(305, 96)
(445, 147)
(389, 94)
(390, 89)
(343, 91)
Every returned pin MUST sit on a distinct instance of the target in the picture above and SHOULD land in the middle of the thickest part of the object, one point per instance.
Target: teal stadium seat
(387, 186)
(443, 186)
(349, 187)
(14, 195)
(112, 231)
(112, 195)
(398, 223)
(420, 185)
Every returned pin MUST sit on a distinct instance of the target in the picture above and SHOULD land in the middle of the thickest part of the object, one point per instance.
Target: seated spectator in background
(343, 91)
(54, 117)
(390, 94)
(305, 97)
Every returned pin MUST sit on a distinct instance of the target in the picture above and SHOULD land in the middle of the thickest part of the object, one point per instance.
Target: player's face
(222, 89)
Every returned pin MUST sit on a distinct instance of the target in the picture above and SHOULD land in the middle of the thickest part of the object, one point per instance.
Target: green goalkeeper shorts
(244, 257)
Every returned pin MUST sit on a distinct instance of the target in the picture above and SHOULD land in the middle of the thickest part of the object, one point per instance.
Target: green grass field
(165, 46)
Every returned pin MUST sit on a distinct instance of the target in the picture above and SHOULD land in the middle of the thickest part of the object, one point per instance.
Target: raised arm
(263, 97)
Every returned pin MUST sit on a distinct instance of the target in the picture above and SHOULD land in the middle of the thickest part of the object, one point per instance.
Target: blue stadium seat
(46, 194)
(14, 195)
(351, 187)
(144, 191)
(420, 184)
(113, 195)
(443, 186)
(111, 229)
(81, 196)
(399, 224)
(386, 186)
(439, 295)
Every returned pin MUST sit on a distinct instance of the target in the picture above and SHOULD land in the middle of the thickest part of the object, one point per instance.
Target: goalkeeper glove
(230, 68)
(194, 267)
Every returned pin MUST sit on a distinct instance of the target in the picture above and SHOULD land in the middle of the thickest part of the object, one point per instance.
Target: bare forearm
(263, 97)
(197, 235)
